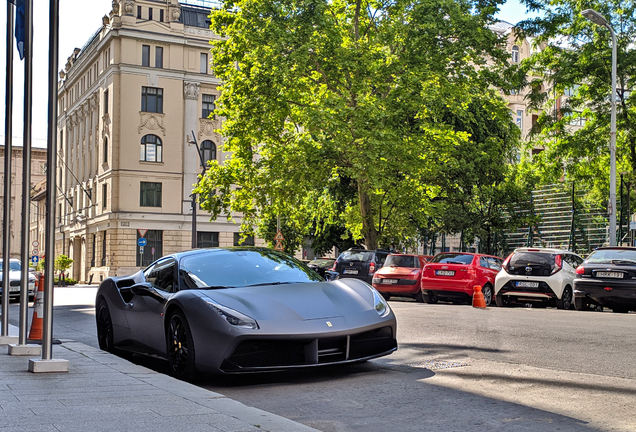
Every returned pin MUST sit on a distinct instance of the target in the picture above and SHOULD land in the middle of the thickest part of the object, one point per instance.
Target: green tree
(576, 60)
(316, 91)
(62, 263)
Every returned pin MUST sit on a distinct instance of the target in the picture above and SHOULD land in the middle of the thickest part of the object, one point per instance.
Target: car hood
(299, 301)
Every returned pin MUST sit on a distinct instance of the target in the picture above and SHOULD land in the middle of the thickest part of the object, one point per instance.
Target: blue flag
(19, 26)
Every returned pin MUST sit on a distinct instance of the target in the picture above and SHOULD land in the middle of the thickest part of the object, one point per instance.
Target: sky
(79, 20)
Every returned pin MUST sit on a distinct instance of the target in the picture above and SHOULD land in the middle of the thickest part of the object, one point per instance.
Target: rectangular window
(105, 101)
(207, 105)
(153, 249)
(103, 248)
(150, 14)
(519, 119)
(150, 194)
(204, 64)
(158, 57)
(207, 239)
(161, 15)
(104, 195)
(138, 12)
(152, 99)
(249, 241)
(145, 55)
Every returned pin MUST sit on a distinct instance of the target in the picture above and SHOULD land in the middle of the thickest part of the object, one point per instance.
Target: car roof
(616, 247)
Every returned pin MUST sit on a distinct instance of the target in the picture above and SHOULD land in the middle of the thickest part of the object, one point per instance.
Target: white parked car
(542, 275)
(14, 278)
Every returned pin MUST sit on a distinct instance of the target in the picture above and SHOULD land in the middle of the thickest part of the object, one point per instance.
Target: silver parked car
(14, 279)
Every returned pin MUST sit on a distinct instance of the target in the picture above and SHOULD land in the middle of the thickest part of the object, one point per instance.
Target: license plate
(615, 275)
(528, 284)
(389, 281)
(350, 272)
(445, 272)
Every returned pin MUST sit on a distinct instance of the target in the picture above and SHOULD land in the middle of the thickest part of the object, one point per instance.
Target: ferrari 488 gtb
(242, 310)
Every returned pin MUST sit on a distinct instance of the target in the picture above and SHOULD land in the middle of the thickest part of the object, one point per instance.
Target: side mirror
(142, 289)
(331, 275)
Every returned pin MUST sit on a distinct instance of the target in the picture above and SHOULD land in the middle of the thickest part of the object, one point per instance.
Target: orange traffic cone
(38, 311)
(478, 297)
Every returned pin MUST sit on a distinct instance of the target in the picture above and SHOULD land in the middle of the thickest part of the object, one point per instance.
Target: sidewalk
(102, 392)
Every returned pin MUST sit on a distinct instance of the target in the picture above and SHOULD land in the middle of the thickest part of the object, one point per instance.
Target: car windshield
(240, 268)
(401, 261)
(13, 265)
(452, 258)
(356, 255)
(612, 256)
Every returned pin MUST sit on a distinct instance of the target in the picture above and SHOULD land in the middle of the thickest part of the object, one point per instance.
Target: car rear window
(611, 255)
(402, 261)
(451, 258)
(532, 258)
(356, 256)
(321, 261)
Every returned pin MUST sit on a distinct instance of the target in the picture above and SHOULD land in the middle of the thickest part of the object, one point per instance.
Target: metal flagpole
(47, 364)
(8, 132)
(26, 169)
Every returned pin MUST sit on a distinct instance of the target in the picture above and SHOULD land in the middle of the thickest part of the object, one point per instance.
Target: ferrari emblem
(329, 324)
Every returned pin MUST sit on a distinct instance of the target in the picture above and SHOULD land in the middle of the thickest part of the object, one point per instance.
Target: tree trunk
(369, 232)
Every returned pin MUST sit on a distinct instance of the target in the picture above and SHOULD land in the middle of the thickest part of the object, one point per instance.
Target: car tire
(429, 297)
(180, 346)
(104, 326)
(502, 301)
(419, 297)
(582, 304)
(487, 292)
(620, 309)
(565, 302)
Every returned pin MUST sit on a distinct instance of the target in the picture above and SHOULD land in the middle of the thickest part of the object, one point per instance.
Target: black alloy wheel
(180, 348)
(487, 292)
(104, 326)
(565, 302)
(429, 297)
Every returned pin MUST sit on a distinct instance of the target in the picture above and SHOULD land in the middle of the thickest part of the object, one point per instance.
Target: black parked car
(319, 265)
(607, 278)
(360, 263)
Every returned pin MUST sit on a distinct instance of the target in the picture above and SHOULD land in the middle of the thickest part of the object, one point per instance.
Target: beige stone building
(129, 102)
(38, 173)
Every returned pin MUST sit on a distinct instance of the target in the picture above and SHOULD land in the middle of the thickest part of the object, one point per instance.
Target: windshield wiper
(270, 283)
(623, 261)
(217, 287)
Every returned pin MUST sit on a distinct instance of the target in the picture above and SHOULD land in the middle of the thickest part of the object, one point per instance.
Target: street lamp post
(599, 19)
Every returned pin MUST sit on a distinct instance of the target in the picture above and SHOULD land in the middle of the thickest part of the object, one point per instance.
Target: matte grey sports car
(242, 310)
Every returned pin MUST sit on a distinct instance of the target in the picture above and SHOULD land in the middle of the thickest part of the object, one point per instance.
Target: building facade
(38, 173)
(134, 103)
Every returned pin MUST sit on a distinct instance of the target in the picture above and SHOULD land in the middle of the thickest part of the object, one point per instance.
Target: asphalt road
(457, 368)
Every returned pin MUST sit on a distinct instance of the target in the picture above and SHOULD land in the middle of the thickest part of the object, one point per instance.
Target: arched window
(105, 151)
(151, 149)
(208, 151)
(515, 54)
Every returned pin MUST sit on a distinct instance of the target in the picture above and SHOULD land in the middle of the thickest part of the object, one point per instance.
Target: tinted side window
(381, 258)
(495, 263)
(483, 262)
(161, 275)
(569, 258)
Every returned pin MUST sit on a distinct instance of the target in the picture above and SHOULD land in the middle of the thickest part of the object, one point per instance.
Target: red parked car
(400, 276)
(452, 276)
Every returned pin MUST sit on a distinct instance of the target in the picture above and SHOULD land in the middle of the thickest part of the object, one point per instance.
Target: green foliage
(346, 112)
(577, 56)
(62, 263)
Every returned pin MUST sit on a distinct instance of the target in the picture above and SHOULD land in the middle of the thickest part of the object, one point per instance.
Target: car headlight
(379, 304)
(232, 316)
